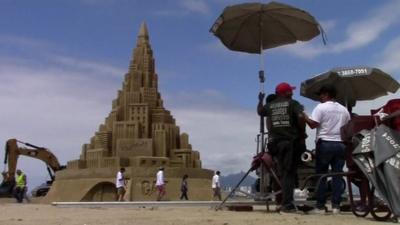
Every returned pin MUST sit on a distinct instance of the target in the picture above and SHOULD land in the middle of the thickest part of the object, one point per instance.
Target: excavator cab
(6, 186)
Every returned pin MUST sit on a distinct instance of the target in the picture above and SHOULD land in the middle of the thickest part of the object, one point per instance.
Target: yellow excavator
(12, 153)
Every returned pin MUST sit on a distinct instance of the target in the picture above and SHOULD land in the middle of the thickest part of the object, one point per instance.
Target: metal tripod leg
(263, 166)
(233, 190)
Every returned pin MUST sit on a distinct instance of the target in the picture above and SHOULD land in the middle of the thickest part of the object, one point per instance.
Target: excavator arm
(13, 152)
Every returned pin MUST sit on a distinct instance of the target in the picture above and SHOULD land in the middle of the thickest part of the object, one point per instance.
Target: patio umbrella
(253, 27)
(352, 83)
(378, 156)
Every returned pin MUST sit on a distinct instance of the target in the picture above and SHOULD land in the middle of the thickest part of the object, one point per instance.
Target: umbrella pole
(261, 76)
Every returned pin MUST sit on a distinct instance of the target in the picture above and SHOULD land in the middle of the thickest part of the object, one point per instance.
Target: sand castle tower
(140, 135)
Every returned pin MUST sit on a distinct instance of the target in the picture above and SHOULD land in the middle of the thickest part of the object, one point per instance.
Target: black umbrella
(352, 83)
(378, 156)
(252, 27)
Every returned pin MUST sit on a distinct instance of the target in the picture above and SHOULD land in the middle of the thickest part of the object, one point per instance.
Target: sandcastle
(140, 135)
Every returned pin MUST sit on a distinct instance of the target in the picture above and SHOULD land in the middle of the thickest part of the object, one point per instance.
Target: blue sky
(62, 62)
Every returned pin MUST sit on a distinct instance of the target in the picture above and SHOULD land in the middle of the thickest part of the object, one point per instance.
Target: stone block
(114, 162)
(197, 164)
(176, 163)
(160, 143)
(142, 161)
(76, 164)
(134, 147)
(96, 153)
(184, 140)
(93, 163)
(124, 129)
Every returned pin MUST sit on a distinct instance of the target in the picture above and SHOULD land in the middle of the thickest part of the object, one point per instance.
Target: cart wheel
(380, 211)
(360, 211)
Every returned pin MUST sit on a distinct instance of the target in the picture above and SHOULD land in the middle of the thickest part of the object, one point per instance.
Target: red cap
(283, 87)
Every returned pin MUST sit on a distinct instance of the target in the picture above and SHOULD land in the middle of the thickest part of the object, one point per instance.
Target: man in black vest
(286, 134)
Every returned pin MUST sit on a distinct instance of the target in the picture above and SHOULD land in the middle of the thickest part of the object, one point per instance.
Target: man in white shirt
(160, 184)
(120, 184)
(216, 186)
(328, 117)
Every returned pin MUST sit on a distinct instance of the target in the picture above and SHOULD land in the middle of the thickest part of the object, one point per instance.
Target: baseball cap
(283, 87)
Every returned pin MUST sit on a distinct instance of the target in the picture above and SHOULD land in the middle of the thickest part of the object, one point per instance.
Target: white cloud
(97, 2)
(391, 57)
(89, 66)
(328, 25)
(46, 52)
(364, 107)
(197, 6)
(169, 13)
(47, 106)
(217, 47)
(23, 42)
(357, 34)
(225, 138)
(185, 8)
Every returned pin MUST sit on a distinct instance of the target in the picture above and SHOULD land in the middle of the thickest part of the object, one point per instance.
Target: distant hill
(231, 180)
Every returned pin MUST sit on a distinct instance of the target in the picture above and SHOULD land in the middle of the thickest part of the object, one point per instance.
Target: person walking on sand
(120, 184)
(184, 187)
(216, 186)
(160, 183)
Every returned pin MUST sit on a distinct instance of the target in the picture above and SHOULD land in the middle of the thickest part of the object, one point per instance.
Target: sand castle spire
(143, 32)
(142, 68)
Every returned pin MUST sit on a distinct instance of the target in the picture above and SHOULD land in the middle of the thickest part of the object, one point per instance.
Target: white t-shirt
(331, 116)
(160, 178)
(215, 181)
(120, 181)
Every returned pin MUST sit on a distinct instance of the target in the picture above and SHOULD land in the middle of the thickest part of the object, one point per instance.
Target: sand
(42, 214)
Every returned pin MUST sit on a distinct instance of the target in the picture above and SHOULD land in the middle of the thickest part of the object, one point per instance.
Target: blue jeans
(330, 153)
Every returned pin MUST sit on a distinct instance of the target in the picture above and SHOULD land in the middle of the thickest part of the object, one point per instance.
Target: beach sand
(43, 214)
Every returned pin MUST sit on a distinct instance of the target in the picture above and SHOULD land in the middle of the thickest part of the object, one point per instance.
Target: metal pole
(261, 77)
(233, 190)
